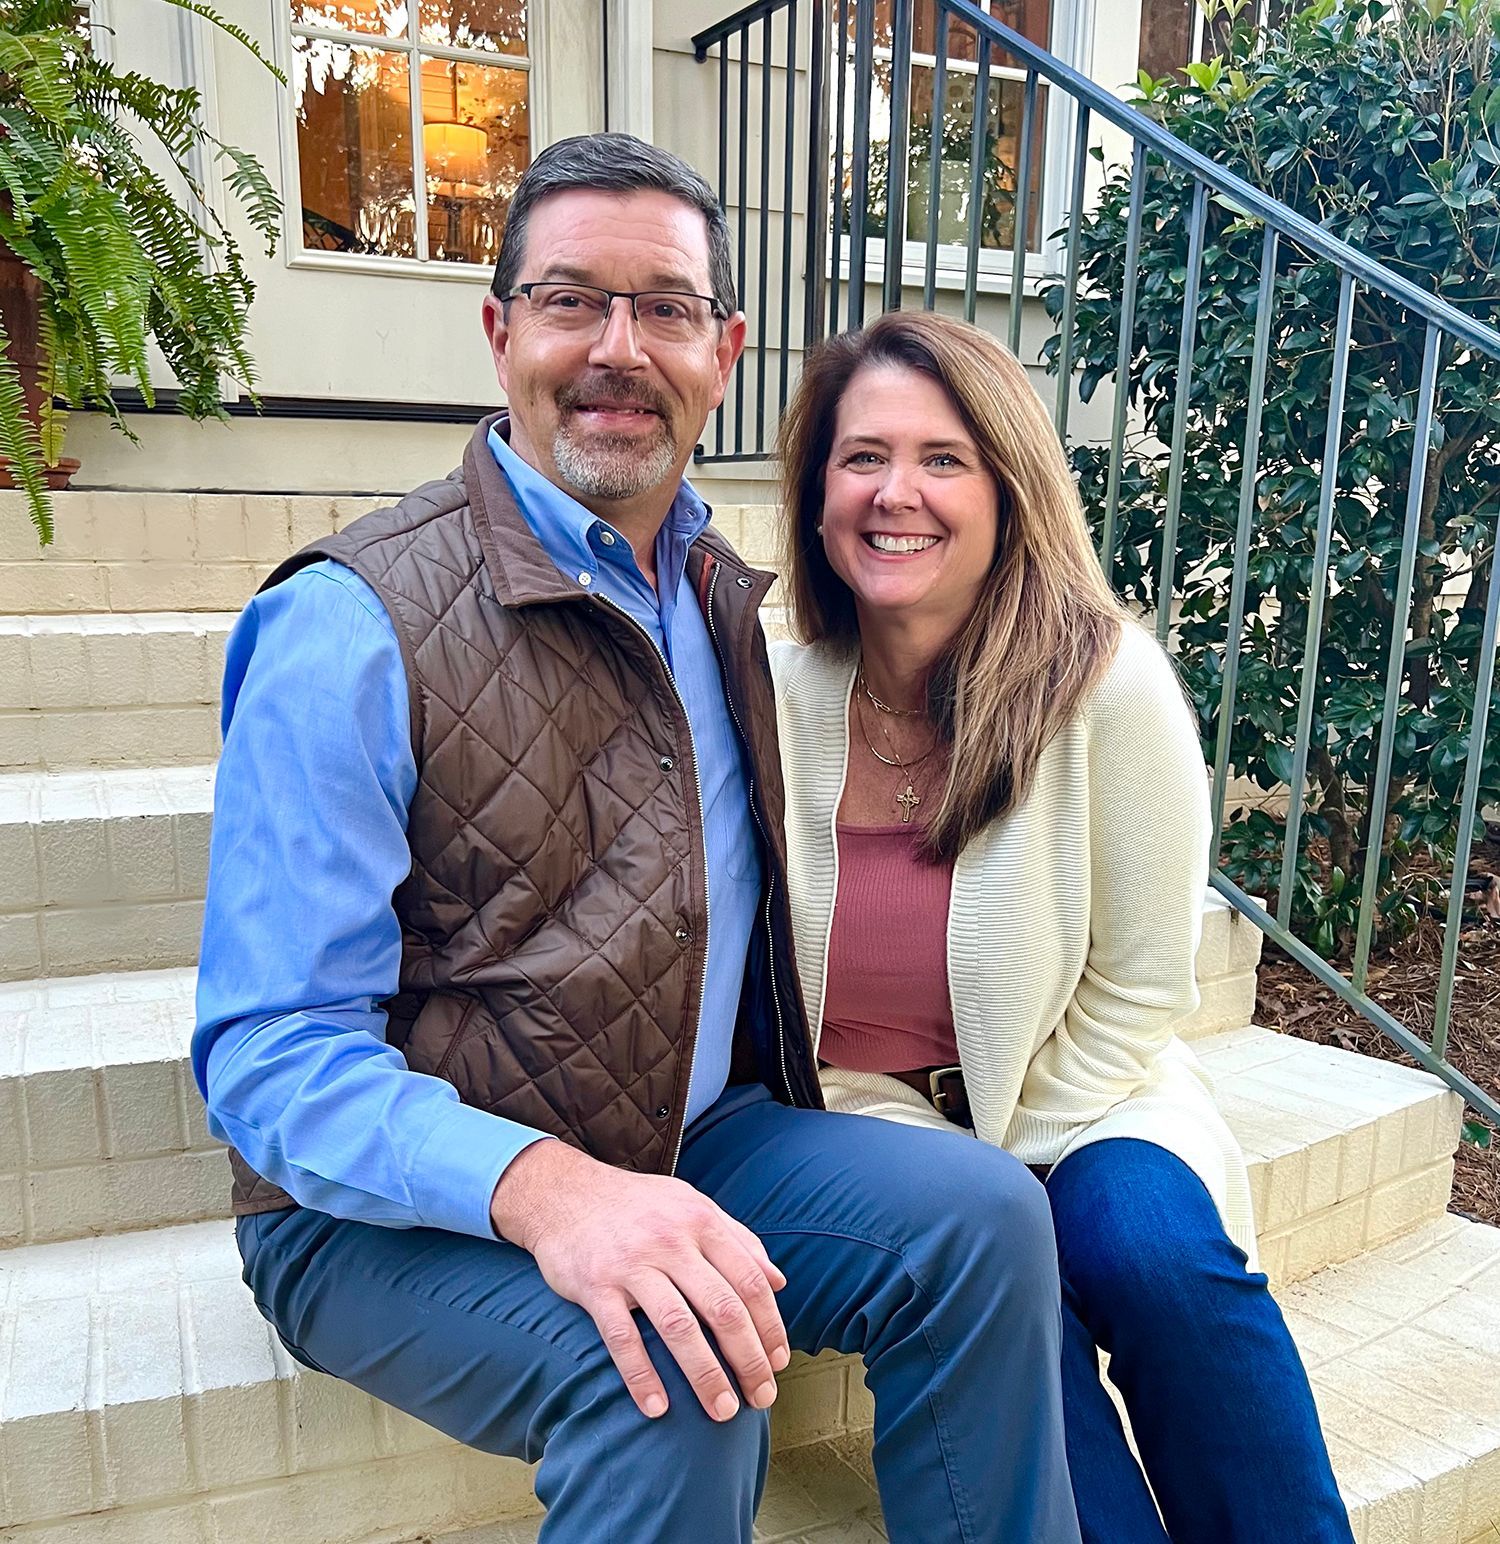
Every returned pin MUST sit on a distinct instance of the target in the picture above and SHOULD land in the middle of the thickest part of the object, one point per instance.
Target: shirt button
(607, 537)
(585, 578)
(666, 763)
(662, 1112)
(682, 935)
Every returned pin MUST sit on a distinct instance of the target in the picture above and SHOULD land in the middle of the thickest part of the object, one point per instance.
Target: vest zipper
(698, 790)
(713, 633)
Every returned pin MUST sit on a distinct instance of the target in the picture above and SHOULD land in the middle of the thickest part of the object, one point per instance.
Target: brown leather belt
(944, 1087)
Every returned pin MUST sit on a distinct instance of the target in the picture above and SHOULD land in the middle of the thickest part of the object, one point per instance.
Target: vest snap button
(666, 763)
(682, 935)
(662, 1112)
(743, 583)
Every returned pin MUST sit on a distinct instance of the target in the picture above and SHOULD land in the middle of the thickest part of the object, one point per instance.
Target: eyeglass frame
(716, 307)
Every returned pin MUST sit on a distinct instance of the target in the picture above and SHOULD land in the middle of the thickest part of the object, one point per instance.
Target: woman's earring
(818, 529)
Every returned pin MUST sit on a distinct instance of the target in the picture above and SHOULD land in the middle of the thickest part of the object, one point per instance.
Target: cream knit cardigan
(1072, 929)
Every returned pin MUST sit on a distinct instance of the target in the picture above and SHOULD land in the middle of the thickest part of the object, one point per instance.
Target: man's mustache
(602, 391)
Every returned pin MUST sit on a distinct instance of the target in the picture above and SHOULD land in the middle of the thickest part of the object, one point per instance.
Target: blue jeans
(931, 1255)
(1217, 1395)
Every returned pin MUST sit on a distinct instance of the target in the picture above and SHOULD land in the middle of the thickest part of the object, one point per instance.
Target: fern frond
(19, 443)
(248, 181)
(39, 63)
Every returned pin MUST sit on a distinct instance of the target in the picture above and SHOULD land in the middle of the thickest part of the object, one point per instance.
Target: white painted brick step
(143, 1399)
(136, 552)
(101, 1128)
(110, 689)
(102, 870)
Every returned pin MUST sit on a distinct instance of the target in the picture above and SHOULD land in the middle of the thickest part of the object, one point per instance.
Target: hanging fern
(123, 255)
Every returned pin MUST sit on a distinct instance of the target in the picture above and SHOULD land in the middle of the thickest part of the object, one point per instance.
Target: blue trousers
(1217, 1396)
(931, 1255)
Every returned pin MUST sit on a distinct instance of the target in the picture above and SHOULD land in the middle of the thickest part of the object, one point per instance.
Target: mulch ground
(1404, 981)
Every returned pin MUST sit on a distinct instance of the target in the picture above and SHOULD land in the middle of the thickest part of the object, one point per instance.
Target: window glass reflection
(384, 18)
(354, 148)
(495, 26)
(476, 142)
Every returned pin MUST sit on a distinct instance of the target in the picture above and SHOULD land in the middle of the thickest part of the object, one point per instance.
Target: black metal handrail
(1080, 104)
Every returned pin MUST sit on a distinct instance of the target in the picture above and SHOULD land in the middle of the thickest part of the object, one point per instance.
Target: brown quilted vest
(554, 919)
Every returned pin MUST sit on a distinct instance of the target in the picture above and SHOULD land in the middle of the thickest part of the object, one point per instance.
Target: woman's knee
(1138, 1235)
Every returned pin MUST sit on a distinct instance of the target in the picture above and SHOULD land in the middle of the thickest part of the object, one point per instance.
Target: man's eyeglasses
(668, 316)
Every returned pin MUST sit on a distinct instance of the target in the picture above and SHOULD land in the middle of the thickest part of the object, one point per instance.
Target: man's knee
(594, 1409)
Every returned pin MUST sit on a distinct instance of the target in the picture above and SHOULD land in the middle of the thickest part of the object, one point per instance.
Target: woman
(997, 822)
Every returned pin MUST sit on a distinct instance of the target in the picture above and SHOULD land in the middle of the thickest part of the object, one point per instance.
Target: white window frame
(534, 65)
(1071, 26)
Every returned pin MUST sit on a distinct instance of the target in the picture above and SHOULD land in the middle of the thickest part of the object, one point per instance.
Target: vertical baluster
(1317, 590)
(818, 212)
(789, 141)
(840, 223)
(1396, 662)
(864, 74)
(1123, 357)
(762, 267)
(1264, 303)
(935, 171)
(742, 276)
(1070, 282)
(978, 148)
(1021, 210)
(1484, 687)
(719, 412)
(1190, 294)
(898, 151)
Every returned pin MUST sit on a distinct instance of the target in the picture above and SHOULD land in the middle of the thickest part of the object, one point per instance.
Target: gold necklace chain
(907, 799)
(885, 707)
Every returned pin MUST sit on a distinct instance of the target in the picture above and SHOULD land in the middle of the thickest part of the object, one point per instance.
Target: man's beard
(612, 466)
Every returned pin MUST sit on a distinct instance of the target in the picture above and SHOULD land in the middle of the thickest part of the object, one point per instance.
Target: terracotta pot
(19, 312)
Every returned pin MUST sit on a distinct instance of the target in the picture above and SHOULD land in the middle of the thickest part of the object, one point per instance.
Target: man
(498, 859)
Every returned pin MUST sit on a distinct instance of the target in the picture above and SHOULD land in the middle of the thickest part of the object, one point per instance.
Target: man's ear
(730, 346)
(497, 331)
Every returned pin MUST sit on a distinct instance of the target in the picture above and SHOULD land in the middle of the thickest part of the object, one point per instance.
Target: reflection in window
(952, 140)
(361, 166)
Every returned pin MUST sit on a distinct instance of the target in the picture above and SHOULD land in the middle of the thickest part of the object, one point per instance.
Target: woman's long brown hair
(1046, 624)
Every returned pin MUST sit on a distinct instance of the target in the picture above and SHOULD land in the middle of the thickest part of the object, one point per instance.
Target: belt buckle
(940, 1100)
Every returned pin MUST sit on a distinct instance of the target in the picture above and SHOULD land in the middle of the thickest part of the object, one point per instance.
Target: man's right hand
(613, 1241)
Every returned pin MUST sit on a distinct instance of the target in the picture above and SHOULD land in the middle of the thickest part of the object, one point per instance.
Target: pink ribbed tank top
(886, 1006)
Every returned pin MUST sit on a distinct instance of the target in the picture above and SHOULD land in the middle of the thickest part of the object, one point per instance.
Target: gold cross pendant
(908, 802)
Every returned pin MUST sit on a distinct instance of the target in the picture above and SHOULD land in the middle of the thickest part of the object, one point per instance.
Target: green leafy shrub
(121, 255)
(1381, 125)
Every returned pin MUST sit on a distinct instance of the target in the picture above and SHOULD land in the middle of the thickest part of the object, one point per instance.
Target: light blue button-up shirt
(300, 940)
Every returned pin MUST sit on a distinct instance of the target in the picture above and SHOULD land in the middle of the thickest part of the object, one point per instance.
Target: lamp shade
(456, 153)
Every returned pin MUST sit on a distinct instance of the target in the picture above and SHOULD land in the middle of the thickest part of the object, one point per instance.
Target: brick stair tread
(136, 1372)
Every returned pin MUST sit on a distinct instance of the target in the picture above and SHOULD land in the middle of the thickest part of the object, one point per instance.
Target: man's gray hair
(615, 163)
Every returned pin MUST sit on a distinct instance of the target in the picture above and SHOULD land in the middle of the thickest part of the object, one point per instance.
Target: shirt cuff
(459, 1166)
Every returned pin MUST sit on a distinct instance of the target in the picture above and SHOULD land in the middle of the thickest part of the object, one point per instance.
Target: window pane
(955, 147)
(476, 142)
(354, 148)
(497, 26)
(384, 18)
